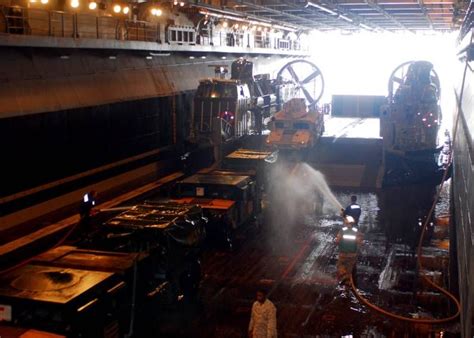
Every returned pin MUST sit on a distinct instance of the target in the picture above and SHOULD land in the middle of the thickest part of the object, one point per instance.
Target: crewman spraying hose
(348, 240)
(353, 210)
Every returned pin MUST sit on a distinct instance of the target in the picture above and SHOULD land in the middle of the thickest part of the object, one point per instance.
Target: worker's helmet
(349, 220)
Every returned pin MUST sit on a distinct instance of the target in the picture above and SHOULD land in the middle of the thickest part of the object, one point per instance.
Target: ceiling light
(125, 10)
(117, 8)
(74, 3)
(92, 5)
(192, 57)
(225, 24)
(156, 11)
(327, 10)
(203, 57)
(224, 57)
(343, 17)
(181, 4)
(32, 1)
(44, 2)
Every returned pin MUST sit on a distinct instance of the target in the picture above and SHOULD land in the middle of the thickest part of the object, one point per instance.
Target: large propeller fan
(307, 78)
(398, 77)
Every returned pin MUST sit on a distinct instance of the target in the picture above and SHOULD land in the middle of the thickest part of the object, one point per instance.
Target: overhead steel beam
(386, 14)
(357, 18)
(425, 13)
(311, 12)
(311, 23)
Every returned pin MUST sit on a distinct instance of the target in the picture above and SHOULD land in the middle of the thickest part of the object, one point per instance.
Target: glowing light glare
(92, 5)
(380, 54)
(32, 1)
(225, 24)
(117, 8)
(175, 2)
(44, 2)
(125, 10)
(74, 3)
(236, 26)
(181, 4)
(156, 11)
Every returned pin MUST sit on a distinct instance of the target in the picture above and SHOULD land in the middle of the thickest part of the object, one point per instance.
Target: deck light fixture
(343, 17)
(156, 11)
(320, 7)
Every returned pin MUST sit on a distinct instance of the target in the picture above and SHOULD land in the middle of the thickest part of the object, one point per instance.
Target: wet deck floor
(297, 265)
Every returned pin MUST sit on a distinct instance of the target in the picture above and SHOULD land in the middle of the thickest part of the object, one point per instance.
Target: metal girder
(358, 19)
(311, 12)
(425, 13)
(312, 23)
(386, 14)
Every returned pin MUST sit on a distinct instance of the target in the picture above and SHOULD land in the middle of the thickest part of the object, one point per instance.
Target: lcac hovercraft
(410, 125)
(299, 124)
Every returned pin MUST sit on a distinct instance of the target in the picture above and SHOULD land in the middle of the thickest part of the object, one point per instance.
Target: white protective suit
(263, 320)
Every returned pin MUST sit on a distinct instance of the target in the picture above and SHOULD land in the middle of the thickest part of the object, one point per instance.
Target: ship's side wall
(463, 195)
(69, 118)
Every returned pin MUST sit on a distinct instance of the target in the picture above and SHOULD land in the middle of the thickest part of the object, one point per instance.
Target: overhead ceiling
(383, 15)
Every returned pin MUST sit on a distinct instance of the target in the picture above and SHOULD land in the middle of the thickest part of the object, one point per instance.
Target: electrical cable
(378, 309)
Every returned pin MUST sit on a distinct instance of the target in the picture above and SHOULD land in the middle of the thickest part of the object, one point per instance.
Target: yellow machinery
(296, 127)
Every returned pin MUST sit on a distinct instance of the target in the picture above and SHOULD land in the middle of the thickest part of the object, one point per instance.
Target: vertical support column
(62, 25)
(49, 24)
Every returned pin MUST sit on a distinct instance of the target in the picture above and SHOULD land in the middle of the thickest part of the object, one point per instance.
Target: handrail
(43, 22)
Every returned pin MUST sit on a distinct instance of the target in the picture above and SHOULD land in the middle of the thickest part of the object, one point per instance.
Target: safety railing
(181, 35)
(42, 22)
